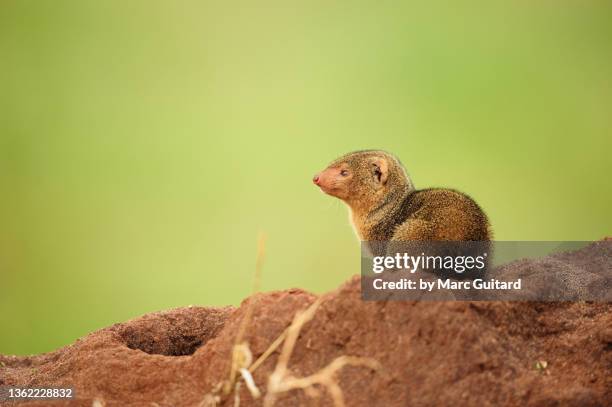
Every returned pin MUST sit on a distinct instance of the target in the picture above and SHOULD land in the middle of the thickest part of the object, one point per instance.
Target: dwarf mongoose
(385, 206)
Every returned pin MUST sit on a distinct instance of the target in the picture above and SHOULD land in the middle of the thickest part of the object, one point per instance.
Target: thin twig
(241, 354)
(277, 342)
(282, 381)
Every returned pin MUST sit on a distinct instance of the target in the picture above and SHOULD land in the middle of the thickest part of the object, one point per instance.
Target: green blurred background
(143, 144)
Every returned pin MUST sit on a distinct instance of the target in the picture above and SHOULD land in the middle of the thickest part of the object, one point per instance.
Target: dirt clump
(430, 353)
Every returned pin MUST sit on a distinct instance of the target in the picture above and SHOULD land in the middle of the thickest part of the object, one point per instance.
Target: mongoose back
(385, 206)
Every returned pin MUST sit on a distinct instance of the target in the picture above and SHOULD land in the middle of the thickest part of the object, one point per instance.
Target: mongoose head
(364, 179)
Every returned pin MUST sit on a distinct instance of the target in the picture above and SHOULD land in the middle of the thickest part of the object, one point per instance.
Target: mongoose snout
(384, 205)
(334, 181)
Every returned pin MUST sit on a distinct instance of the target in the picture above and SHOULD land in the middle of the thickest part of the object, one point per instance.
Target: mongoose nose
(316, 180)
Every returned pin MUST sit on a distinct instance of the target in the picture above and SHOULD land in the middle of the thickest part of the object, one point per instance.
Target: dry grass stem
(282, 381)
(250, 383)
(241, 349)
(262, 358)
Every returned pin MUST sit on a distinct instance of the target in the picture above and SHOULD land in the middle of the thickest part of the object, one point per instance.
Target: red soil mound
(431, 353)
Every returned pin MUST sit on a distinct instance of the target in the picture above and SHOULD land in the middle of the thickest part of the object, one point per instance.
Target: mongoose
(385, 206)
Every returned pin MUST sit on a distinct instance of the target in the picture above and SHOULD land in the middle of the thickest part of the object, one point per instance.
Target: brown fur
(385, 206)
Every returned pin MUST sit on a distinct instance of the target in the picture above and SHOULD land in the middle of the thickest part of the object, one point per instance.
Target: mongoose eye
(344, 173)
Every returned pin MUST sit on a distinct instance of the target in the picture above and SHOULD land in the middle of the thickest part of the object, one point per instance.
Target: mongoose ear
(381, 170)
